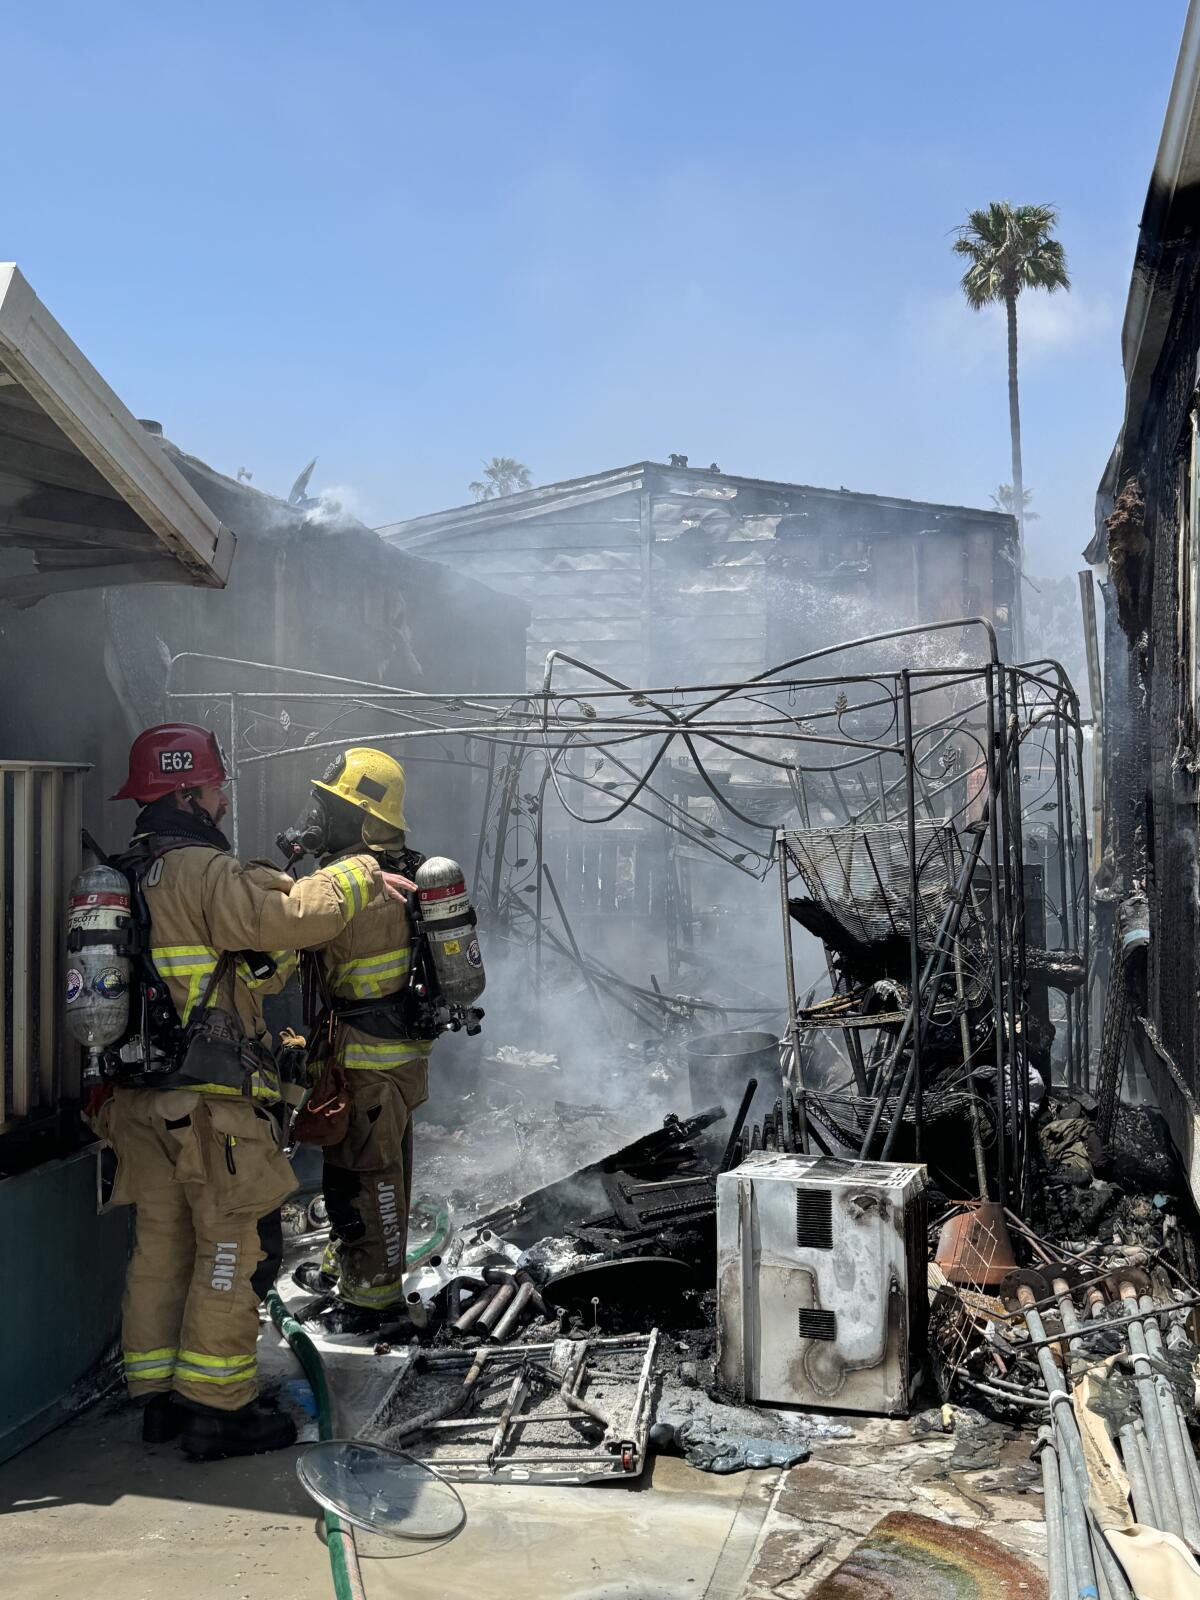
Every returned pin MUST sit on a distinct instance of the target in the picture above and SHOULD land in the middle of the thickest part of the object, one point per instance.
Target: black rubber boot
(312, 1277)
(339, 1316)
(209, 1434)
(162, 1419)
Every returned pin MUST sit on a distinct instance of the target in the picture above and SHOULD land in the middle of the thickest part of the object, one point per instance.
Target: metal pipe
(454, 1424)
(1009, 1396)
(516, 1395)
(640, 1398)
(1066, 1310)
(1156, 1435)
(539, 836)
(1056, 1540)
(1139, 1488)
(483, 816)
(793, 1015)
(1075, 1520)
(1072, 1579)
(1075, 1474)
(964, 1033)
(998, 1025)
(491, 1313)
(1102, 1324)
(1013, 912)
(1143, 1449)
(1109, 1571)
(454, 1292)
(930, 982)
(1179, 1443)
(1193, 1465)
(1103, 1586)
(513, 1315)
(473, 1312)
(914, 909)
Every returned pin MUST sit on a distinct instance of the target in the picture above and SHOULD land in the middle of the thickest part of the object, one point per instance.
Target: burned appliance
(821, 1282)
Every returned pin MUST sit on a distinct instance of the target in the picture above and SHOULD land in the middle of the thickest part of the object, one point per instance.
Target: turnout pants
(368, 1184)
(206, 1177)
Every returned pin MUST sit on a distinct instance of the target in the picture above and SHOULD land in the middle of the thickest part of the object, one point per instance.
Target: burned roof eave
(1166, 247)
(56, 377)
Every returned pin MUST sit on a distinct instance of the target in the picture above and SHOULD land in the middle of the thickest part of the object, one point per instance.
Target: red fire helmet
(170, 757)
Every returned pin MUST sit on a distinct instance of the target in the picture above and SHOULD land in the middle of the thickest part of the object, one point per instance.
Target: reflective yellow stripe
(218, 1363)
(195, 962)
(357, 1056)
(181, 954)
(215, 1369)
(373, 1295)
(268, 1093)
(354, 882)
(188, 1376)
(149, 1363)
(371, 977)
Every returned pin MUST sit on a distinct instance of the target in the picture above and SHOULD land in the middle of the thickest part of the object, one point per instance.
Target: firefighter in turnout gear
(357, 818)
(199, 1156)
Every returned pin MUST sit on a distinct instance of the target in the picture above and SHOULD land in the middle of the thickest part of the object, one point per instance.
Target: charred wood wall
(1151, 693)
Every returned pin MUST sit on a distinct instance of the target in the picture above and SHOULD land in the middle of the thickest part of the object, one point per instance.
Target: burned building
(1147, 550)
(677, 574)
(673, 575)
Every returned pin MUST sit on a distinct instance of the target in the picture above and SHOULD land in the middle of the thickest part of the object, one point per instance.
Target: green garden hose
(339, 1535)
(441, 1232)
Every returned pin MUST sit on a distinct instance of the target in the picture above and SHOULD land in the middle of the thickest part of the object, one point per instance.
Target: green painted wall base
(64, 1271)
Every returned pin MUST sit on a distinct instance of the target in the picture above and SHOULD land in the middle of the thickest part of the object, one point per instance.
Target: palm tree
(1004, 500)
(501, 475)
(1010, 248)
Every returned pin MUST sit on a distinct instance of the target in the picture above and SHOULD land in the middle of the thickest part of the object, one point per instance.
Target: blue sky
(406, 238)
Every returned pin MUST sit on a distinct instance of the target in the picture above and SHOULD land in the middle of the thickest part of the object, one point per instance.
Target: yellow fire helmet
(370, 780)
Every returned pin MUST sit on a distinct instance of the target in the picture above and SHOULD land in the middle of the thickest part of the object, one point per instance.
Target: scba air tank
(99, 924)
(450, 927)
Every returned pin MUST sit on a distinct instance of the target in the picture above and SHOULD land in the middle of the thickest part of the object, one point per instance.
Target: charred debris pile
(707, 1154)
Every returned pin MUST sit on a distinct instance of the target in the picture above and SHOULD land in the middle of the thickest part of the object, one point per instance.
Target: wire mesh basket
(860, 874)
